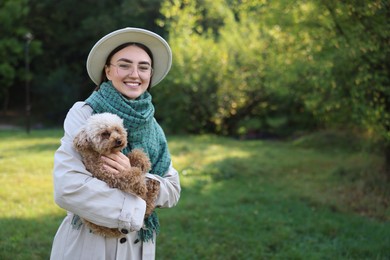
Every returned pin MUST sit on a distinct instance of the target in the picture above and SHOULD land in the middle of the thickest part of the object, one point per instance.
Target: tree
(12, 45)
(361, 68)
(68, 29)
(227, 67)
(193, 77)
(276, 65)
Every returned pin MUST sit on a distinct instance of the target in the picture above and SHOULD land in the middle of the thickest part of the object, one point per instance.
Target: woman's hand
(116, 162)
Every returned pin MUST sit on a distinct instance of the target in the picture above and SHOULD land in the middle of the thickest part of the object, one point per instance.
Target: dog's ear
(82, 142)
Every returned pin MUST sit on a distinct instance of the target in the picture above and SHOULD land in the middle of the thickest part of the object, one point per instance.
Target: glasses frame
(125, 71)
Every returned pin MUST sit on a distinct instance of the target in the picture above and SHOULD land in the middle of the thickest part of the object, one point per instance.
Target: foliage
(238, 66)
(260, 200)
(13, 45)
(241, 68)
(68, 39)
(66, 31)
(355, 46)
(278, 67)
(308, 64)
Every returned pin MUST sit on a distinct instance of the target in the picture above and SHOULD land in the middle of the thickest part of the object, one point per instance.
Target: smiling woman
(124, 65)
(132, 73)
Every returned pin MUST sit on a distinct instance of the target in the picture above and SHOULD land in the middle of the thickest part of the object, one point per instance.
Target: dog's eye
(106, 134)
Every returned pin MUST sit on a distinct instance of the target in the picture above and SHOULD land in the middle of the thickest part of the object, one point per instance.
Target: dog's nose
(118, 142)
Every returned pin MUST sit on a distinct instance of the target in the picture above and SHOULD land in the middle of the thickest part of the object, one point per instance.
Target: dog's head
(103, 133)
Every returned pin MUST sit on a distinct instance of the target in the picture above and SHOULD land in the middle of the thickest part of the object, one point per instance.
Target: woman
(124, 65)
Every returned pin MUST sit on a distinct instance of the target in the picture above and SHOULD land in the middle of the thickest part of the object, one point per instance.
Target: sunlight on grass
(26, 165)
(279, 199)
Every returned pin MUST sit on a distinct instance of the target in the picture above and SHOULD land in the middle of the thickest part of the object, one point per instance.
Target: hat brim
(162, 54)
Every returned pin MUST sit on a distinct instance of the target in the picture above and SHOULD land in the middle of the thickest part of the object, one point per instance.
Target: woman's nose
(134, 71)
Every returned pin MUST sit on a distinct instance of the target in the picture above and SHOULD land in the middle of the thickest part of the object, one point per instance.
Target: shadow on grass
(232, 224)
(43, 133)
(38, 148)
(235, 209)
(28, 238)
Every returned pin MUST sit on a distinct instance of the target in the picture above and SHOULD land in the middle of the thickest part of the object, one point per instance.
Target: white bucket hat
(162, 54)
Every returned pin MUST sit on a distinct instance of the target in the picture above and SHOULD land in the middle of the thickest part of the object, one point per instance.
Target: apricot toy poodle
(104, 134)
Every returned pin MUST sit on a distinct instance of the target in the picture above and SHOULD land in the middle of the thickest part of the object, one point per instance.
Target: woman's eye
(124, 66)
(144, 68)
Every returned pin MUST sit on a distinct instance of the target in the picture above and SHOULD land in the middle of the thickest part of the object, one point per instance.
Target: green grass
(240, 199)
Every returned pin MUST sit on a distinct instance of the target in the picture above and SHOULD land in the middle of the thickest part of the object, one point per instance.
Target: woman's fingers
(116, 162)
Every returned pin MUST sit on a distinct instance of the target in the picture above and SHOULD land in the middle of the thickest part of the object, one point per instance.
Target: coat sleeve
(169, 188)
(78, 192)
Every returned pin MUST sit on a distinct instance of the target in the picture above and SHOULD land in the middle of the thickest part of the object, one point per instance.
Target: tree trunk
(6, 102)
(387, 161)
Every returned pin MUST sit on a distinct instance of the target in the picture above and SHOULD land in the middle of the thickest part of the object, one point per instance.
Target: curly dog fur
(104, 134)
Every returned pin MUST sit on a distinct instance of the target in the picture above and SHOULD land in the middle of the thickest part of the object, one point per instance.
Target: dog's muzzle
(118, 143)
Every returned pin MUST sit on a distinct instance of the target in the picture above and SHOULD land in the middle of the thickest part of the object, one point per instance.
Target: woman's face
(130, 71)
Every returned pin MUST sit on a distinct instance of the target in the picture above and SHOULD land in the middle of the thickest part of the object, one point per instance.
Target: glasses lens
(127, 68)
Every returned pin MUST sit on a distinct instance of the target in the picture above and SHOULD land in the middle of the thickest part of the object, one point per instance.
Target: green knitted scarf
(143, 132)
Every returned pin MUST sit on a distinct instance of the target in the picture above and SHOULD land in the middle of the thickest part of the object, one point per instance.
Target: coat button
(123, 240)
(124, 231)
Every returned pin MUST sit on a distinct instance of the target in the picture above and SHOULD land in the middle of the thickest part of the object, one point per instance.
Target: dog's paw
(139, 159)
(153, 186)
(132, 181)
(102, 231)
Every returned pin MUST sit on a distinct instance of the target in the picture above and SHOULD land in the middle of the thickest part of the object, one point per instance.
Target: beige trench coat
(78, 193)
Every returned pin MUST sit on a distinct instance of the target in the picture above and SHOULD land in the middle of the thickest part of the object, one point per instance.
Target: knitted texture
(143, 132)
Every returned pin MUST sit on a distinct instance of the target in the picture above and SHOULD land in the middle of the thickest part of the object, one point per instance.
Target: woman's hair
(120, 47)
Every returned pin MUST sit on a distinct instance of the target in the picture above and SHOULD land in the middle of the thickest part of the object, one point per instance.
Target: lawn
(313, 198)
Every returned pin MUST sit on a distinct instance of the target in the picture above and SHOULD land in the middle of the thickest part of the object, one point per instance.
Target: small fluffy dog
(104, 134)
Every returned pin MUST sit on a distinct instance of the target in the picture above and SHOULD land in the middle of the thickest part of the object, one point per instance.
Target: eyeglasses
(128, 68)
